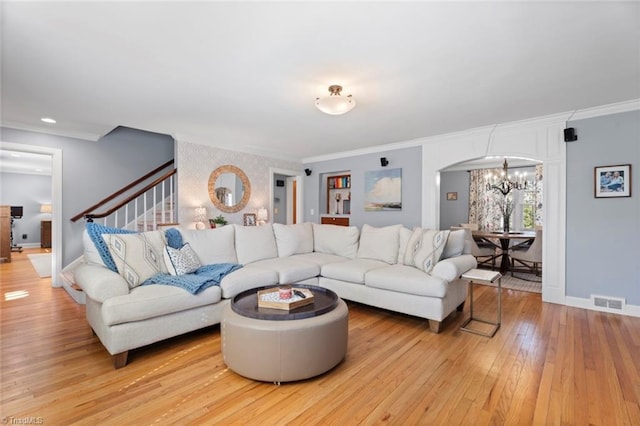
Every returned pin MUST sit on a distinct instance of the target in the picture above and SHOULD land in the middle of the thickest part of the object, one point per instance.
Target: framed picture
(383, 190)
(249, 219)
(612, 181)
(452, 196)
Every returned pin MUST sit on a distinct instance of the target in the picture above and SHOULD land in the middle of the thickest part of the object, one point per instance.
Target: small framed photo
(612, 181)
(452, 196)
(249, 219)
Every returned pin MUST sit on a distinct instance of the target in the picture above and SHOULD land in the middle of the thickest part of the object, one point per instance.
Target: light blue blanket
(204, 277)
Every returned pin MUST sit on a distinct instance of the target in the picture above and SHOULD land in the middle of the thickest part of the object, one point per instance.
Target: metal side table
(484, 277)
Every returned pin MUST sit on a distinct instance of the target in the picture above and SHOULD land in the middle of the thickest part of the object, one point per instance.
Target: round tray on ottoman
(292, 347)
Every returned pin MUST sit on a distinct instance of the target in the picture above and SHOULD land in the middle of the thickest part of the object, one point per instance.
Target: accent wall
(603, 254)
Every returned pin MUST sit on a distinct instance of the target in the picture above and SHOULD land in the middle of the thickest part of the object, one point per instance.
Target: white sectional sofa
(415, 272)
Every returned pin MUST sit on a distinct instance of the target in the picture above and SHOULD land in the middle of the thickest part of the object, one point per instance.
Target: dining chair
(483, 255)
(475, 227)
(531, 259)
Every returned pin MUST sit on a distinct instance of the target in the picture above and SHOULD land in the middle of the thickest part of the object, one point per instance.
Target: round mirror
(229, 189)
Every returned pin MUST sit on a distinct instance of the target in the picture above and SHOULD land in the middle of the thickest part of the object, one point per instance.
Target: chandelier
(504, 184)
(334, 104)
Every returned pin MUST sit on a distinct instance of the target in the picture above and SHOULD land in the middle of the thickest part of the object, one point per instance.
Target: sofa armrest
(100, 283)
(450, 269)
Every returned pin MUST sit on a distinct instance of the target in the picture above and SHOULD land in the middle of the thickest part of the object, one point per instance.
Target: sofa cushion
(150, 301)
(379, 243)
(137, 256)
(352, 271)
(320, 259)
(406, 279)
(455, 244)
(430, 250)
(255, 243)
(289, 270)
(181, 261)
(247, 278)
(404, 235)
(334, 239)
(293, 239)
(212, 245)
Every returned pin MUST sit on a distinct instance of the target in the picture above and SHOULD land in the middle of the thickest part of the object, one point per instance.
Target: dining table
(504, 238)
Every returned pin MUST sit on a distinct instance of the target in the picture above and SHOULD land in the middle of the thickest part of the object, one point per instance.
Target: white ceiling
(244, 75)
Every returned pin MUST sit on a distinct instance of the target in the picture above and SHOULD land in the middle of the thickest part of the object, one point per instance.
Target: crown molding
(51, 130)
(616, 108)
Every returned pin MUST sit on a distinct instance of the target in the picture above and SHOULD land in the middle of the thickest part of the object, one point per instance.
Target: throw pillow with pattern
(428, 248)
(181, 261)
(137, 256)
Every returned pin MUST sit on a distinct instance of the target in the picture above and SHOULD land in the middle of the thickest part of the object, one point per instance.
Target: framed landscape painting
(383, 190)
(612, 181)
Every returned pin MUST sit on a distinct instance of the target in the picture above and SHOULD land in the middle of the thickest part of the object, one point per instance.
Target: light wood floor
(548, 364)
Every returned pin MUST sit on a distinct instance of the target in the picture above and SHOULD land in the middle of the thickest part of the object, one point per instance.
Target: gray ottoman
(284, 351)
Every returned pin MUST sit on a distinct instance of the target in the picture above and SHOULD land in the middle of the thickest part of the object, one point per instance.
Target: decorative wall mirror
(229, 188)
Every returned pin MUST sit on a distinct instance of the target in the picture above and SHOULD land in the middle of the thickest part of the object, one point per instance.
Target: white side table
(484, 277)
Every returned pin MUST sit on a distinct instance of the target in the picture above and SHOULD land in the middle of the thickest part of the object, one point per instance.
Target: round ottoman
(284, 351)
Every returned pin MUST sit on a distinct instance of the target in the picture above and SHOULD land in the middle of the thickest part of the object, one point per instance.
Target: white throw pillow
(137, 256)
(455, 244)
(255, 243)
(334, 239)
(405, 234)
(293, 239)
(181, 261)
(429, 248)
(212, 245)
(379, 243)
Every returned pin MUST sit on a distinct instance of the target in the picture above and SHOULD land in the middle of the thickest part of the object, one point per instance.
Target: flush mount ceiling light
(334, 104)
(48, 120)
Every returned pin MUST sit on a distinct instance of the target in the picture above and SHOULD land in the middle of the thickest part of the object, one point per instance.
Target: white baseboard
(579, 302)
(30, 245)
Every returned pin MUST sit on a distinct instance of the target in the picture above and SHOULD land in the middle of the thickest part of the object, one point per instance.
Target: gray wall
(453, 213)
(93, 170)
(603, 253)
(28, 191)
(408, 159)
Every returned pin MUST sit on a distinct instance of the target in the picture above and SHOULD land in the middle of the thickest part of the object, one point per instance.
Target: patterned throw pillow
(96, 232)
(427, 247)
(181, 261)
(137, 256)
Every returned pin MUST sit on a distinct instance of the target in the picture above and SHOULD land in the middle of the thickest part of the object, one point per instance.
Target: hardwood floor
(548, 364)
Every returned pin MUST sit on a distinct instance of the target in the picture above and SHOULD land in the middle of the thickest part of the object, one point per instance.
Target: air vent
(607, 303)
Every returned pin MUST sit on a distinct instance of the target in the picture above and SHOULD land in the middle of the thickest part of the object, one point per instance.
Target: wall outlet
(24, 236)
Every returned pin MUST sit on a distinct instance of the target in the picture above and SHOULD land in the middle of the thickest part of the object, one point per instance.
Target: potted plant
(218, 221)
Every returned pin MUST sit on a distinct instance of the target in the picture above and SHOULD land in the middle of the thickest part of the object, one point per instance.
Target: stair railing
(156, 199)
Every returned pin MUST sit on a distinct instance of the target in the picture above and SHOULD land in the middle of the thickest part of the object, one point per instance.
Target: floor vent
(608, 303)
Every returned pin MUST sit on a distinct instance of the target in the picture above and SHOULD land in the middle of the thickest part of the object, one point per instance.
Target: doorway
(55, 156)
(285, 196)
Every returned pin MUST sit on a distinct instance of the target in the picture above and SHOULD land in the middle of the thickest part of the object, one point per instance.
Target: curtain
(484, 205)
(538, 188)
